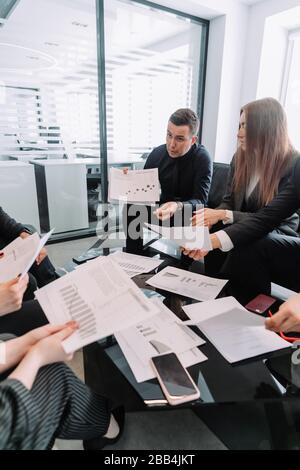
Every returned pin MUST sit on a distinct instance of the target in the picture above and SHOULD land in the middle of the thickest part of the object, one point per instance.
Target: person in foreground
(41, 399)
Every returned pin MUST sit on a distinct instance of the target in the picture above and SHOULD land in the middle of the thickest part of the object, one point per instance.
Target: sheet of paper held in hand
(237, 333)
(187, 283)
(20, 255)
(134, 186)
(159, 334)
(135, 264)
(189, 237)
(100, 297)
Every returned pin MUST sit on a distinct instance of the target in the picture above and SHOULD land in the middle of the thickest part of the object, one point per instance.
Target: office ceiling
(54, 41)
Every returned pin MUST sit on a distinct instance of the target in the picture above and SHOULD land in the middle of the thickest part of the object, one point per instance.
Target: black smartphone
(175, 381)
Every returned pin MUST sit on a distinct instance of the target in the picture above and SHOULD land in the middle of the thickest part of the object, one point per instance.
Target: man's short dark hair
(186, 117)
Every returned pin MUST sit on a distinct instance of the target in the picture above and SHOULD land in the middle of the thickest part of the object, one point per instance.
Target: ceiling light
(54, 44)
(80, 25)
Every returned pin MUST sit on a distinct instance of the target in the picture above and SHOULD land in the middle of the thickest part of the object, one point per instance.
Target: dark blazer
(187, 178)
(236, 202)
(271, 216)
(9, 229)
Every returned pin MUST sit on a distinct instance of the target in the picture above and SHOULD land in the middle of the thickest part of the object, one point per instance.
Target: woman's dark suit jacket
(242, 209)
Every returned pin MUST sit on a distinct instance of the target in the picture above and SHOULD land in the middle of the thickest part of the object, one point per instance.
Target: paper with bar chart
(159, 334)
(100, 297)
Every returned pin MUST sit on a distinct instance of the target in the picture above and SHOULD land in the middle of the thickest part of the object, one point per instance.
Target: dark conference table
(248, 405)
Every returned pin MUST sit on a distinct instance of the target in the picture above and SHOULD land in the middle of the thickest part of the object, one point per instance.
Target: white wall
(235, 54)
(259, 15)
(227, 39)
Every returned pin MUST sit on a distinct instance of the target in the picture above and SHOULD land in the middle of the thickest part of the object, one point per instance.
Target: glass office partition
(49, 117)
(152, 68)
(70, 107)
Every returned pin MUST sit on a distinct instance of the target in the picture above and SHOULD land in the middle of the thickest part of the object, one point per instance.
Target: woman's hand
(199, 254)
(194, 254)
(166, 211)
(208, 217)
(42, 254)
(11, 294)
(49, 350)
(287, 318)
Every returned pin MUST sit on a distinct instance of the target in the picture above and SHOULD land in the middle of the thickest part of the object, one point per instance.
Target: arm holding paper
(11, 295)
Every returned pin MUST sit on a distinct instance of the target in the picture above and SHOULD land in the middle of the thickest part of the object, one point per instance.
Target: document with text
(189, 237)
(159, 334)
(186, 283)
(135, 264)
(20, 255)
(134, 186)
(100, 297)
(237, 333)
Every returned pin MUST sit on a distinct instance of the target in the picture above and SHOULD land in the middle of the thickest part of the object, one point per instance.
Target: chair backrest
(218, 184)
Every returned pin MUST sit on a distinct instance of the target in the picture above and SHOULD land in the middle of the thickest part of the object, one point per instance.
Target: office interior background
(89, 84)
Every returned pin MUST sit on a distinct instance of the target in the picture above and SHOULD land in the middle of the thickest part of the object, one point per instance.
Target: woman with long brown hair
(259, 170)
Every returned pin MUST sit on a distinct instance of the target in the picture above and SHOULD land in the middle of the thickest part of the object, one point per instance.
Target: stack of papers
(20, 255)
(179, 281)
(100, 297)
(135, 264)
(137, 186)
(159, 334)
(193, 238)
(237, 333)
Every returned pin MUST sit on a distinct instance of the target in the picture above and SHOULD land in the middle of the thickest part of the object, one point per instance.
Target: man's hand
(287, 318)
(42, 254)
(11, 295)
(166, 211)
(208, 217)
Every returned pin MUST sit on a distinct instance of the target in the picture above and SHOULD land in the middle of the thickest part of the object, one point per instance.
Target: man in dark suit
(184, 169)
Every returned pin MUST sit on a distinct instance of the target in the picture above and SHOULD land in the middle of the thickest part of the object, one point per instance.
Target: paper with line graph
(159, 334)
(135, 264)
(100, 297)
(187, 283)
(134, 186)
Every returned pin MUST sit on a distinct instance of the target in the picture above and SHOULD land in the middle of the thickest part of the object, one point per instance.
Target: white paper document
(189, 237)
(20, 255)
(100, 297)
(186, 283)
(159, 334)
(205, 310)
(236, 333)
(135, 264)
(134, 186)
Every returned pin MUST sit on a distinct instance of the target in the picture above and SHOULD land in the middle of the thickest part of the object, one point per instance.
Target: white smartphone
(175, 381)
